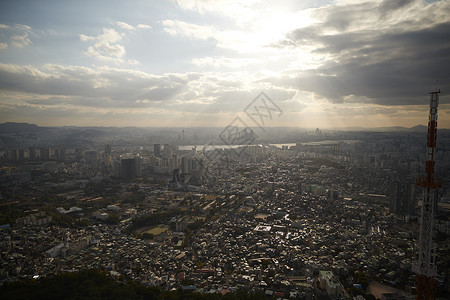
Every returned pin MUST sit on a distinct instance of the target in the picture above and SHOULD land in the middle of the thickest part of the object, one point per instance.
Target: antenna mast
(425, 267)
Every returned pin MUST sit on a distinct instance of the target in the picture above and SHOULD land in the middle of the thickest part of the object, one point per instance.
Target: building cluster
(109, 162)
(280, 245)
(301, 221)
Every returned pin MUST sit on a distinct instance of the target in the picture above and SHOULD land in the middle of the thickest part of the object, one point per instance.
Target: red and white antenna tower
(425, 267)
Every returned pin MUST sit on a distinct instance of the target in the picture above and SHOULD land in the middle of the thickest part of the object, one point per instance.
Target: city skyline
(327, 64)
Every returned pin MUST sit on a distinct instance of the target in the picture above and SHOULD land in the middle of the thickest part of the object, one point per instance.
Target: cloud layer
(18, 36)
(326, 63)
(387, 54)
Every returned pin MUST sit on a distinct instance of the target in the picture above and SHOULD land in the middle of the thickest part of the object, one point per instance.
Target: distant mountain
(13, 127)
(417, 128)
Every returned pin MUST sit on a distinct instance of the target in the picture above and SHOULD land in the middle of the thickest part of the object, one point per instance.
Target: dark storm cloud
(389, 66)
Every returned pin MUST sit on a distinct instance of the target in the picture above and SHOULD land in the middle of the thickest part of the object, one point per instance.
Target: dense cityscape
(303, 214)
(225, 149)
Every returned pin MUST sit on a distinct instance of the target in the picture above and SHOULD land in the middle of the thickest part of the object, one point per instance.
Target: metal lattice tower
(425, 267)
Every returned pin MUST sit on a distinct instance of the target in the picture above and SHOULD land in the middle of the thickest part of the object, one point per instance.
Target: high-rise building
(410, 202)
(21, 155)
(116, 168)
(395, 195)
(168, 150)
(194, 164)
(403, 198)
(185, 165)
(173, 162)
(107, 149)
(14, 155)
(157, 150)
(44, 154)
(78, 154)
(10, 155)
(32, 153)
(91, 158)
(130, 167)
(60, 154)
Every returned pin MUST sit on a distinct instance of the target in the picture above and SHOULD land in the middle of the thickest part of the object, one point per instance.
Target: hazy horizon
(326, 64)
(424, 127)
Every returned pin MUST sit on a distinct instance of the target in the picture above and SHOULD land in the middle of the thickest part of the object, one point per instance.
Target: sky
(188, 63)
